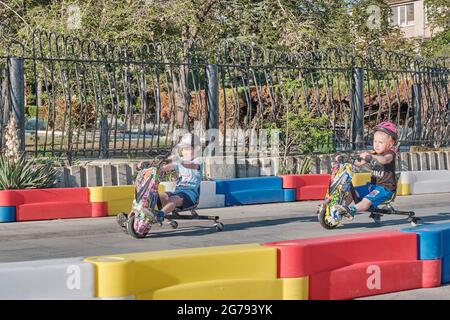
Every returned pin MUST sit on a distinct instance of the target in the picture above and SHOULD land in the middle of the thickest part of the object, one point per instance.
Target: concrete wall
(121, 173)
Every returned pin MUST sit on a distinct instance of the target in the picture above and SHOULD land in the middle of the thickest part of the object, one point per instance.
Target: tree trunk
(182, 96)
(5, 106)
(180, 81)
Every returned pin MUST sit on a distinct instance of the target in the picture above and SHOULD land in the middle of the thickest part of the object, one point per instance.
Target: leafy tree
(282, 24)
(438, 14)
(288, 25)
(370, 27)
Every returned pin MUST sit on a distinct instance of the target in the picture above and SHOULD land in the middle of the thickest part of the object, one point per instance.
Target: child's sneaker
(334, 214)
(345, 211)
(159, 215)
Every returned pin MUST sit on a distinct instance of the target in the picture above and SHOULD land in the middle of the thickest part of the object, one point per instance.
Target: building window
(403, 15)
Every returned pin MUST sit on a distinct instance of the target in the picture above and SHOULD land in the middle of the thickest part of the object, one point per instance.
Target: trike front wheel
(323, 214)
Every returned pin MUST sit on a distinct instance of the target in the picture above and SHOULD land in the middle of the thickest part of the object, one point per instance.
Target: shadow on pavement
(438, 217)
(203, 230)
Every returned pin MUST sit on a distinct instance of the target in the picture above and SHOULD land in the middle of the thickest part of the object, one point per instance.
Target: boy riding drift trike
(150, 207)
(381, 189)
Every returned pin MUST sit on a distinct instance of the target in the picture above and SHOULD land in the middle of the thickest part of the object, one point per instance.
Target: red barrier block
(27, 196)
(52, 203)
(99, 209)
(308, 186)
(306, 257)
(10, 198)
(431, 273)
(374, 278)
(53, 210)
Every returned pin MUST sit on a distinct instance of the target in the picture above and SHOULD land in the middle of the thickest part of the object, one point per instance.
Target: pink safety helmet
(388, 128)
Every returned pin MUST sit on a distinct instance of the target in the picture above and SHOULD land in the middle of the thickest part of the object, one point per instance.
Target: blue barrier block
(290, 195)
(434, 243)
(7, 214)
(259, 196)
(227, 186)
(433, 240)
(446, 269)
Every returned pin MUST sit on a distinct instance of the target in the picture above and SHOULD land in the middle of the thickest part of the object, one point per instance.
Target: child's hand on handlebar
(163, 169)
(174, 158)
(365, 156)
(142, 165)
(339, 158)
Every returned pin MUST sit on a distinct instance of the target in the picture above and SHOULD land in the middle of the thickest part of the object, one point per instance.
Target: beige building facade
(410, 17)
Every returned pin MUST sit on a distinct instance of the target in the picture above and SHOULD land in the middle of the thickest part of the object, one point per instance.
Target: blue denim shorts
(375, 194)
(187, 202)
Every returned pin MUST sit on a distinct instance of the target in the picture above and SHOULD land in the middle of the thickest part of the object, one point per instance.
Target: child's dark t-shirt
(384, 174)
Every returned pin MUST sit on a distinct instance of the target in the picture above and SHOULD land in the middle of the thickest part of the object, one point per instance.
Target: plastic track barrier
(208, 196)
(403, 185)
(58, 279)
(434, 243)
(307, 186)
(46, 204)
(117, 198)
(334, 267)
(254, 191)
(219, 273)
(7, 214)
(356, 265)
(434, 181)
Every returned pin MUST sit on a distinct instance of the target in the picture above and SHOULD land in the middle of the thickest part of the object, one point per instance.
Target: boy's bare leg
(164, 198)
(363, 205)
(168, 204)
(172, 203)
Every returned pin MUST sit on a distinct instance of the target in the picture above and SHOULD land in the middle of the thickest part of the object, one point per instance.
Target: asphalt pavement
(38, 240)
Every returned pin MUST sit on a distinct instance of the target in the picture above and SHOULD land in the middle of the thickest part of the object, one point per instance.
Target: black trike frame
(376, 213)
(175, 215)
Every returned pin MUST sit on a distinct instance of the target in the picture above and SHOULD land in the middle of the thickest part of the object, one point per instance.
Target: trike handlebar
(349, 159)
(147, 164)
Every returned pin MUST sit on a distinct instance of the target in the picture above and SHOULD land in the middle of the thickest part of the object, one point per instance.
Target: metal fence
(86, 99)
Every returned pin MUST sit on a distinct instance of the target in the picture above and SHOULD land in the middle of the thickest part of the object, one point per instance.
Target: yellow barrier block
(226, 272)
(117, 206)
(403, 185)
(403, 189)
(161, 188)
(360, 179)
(119, 198)
(268, 289)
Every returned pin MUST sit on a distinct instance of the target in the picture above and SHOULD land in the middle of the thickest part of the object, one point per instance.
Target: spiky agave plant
(305, 167)
(26, 174)
(18, 172)
(302, 168)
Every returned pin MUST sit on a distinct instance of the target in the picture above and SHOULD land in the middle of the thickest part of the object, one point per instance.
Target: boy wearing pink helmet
(383, 184)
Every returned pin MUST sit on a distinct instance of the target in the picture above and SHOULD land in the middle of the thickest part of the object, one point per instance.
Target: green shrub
(302, 133)
(26, 174)
(303, 168)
